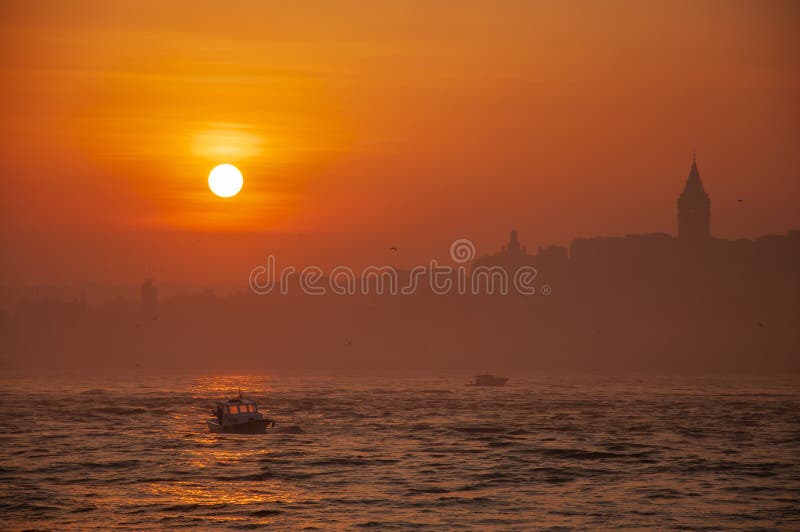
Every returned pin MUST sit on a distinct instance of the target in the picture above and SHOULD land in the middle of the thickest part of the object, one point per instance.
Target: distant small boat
(488, 380)
(239, 415)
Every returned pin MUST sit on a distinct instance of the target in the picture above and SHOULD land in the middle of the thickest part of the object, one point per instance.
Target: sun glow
(228, 141)
(225, 180)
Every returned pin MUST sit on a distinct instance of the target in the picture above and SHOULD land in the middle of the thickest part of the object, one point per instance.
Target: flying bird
(393, 248)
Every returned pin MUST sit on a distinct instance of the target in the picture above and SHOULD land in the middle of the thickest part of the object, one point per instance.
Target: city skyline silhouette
(403, 265)
(632, 301)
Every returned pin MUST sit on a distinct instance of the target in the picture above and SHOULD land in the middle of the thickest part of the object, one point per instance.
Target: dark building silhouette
(148, 294)
(694, 212)
(551, 263)
(511, 256)
(513, 248)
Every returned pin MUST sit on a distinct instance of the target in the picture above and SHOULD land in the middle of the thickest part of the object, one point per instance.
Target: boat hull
(257, 426)
(497, 382)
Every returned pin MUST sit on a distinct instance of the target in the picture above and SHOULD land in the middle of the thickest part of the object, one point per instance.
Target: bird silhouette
(393, 248)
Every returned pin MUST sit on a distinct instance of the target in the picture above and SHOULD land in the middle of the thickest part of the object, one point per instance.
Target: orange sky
(364, 125)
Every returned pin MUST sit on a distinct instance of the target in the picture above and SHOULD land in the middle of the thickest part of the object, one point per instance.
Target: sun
(225, 180)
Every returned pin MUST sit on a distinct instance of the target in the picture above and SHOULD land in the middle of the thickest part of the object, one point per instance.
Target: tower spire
(694, 185)
(694, 208)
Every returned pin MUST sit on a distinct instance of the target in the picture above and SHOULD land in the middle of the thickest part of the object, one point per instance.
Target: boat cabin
(237, 410)
(241, 407)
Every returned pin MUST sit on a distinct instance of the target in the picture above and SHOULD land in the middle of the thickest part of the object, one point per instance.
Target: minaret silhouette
(513, 244)
(694, 211)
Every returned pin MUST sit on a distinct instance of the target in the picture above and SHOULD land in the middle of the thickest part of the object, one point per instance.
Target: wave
(404, 457)
(481, 430)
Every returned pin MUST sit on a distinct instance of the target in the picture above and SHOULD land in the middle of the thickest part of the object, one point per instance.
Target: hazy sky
(364, 125)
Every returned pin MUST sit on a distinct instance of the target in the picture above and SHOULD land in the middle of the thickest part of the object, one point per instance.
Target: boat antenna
(240, 394)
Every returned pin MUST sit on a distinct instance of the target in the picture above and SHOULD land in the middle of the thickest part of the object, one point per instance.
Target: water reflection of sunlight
(233, 457)
(209, 456)
(229, 385)
(213, 493)
(234, 496)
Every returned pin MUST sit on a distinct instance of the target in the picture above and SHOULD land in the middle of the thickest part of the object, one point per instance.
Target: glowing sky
(364, 125)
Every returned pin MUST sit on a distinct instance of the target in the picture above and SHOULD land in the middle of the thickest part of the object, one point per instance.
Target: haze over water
(407, 451)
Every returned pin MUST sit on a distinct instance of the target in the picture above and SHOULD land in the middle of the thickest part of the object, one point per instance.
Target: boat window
(242, 409)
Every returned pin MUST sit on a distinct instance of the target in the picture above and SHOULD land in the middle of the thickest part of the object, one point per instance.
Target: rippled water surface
(402, 452)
